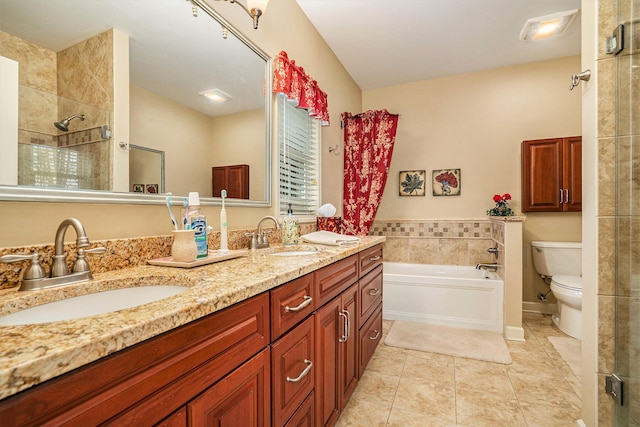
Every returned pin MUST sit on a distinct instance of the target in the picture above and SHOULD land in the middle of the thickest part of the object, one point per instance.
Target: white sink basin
(294, 253)
(91, 304)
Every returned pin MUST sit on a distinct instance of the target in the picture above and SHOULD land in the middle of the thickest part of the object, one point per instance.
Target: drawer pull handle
(303, 304)
(376, 336)
(345, 325)
(375, 258)
(303, 374)
(374, 292)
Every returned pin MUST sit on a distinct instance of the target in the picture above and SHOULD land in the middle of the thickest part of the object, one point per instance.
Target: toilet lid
(569, 282)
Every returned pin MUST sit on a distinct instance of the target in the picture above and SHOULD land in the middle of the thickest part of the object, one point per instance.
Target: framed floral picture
(412, 183)
(446, 182)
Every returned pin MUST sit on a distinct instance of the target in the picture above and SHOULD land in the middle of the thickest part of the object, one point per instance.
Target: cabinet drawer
(292, 359)
(304, 415)
(291, 303)
(369, 259)
(331, 280)
(370, 335)
(369, 293)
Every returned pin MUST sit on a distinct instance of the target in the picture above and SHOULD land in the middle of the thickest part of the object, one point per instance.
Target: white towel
(330, 238)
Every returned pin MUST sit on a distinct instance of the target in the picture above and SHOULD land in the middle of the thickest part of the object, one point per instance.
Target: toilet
(561, 264)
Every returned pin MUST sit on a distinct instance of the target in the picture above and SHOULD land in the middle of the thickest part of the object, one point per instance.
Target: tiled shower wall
(438, 241)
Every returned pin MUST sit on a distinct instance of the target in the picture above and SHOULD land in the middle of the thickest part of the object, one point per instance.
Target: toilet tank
(557, 258)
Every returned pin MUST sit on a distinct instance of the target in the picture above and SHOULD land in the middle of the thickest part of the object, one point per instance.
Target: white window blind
(299, 158)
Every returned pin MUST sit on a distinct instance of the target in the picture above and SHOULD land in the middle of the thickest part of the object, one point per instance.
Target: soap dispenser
(290, 228)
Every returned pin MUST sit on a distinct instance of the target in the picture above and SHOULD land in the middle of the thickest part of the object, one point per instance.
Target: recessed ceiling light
(547, 26)
(216, 95)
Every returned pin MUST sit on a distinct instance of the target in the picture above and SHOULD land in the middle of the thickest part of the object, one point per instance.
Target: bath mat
(458, 342)
(570, 350)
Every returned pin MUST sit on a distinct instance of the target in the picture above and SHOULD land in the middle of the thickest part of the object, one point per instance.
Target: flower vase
(184, 247)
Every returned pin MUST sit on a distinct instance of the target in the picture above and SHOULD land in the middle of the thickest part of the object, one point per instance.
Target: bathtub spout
(493, 266)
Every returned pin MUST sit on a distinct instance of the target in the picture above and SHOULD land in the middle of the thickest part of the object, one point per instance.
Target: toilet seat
(572, 283)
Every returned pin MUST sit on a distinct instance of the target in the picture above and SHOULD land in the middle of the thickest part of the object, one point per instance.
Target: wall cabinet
(233, 178)
(552, 175)
(288, 357)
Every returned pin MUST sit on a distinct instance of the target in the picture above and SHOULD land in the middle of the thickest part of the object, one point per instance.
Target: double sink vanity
(254, 341)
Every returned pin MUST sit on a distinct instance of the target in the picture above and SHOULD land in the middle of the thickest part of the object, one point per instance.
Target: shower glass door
(627, 296)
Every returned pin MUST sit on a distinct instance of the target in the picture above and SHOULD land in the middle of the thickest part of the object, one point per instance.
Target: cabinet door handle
(561, 196)
(307, 300)
(374, 292)
(303, 374)
(344, 327)
(375, 258)
(566, 195)
(376, 336)
(348, 323)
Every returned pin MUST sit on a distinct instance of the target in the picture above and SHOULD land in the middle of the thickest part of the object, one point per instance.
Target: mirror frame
(39, 194)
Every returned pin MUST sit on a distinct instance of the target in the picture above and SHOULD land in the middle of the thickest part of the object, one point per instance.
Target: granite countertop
(31, 354)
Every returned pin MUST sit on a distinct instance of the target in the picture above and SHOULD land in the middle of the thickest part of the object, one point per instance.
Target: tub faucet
(493, 266)
(260, 239)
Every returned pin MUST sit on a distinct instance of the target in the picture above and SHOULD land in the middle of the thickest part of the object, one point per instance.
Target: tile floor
(403, 388)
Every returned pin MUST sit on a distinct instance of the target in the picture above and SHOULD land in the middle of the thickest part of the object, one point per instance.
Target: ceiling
(389, 42)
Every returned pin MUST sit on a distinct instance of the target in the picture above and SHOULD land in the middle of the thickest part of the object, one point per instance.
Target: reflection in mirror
(135, 83)
(146, 169)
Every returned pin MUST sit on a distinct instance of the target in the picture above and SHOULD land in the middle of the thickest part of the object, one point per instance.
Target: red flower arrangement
(502, 207)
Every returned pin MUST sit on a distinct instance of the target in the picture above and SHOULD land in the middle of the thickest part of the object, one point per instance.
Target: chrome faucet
(493, 266)
(34, 276)
(260, 239)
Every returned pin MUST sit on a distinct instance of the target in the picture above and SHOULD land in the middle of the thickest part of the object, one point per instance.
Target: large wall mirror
(82, 83)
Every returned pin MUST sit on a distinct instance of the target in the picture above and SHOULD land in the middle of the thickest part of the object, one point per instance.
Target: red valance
(291, 80)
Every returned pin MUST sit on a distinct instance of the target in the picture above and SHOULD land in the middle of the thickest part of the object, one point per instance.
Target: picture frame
(446, 182)
(412, 183)
(151, 189)
(138, 188)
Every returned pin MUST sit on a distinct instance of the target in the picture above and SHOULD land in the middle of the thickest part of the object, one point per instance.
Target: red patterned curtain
(368, 146)
(291, 80)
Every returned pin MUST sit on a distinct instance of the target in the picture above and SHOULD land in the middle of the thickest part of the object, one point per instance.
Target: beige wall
(283, 27)
(476, 122)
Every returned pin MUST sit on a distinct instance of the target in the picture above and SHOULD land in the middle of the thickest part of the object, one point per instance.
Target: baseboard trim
(539, 307)
(514, 333)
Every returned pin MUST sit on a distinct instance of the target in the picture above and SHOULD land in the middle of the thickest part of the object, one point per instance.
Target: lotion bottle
(224, 245)
(289, 228)
(198, 222)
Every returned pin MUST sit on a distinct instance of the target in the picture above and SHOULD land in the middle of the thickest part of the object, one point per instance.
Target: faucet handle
(33, 271)
(253, 241)
(81, 263)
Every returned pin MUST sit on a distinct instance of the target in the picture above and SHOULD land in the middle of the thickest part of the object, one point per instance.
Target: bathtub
(449, 295)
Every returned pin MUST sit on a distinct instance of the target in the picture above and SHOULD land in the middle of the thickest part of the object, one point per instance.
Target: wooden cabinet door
(292, 363)
(240, 399)
(304, 415)
(233, 178)
(370, 336)
(542, 175)
(336, 355)
(572, 151)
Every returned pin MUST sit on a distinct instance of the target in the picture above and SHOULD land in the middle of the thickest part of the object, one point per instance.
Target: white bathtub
(450, 295)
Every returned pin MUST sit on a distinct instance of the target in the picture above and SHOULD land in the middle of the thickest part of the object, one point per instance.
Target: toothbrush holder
(184, 247)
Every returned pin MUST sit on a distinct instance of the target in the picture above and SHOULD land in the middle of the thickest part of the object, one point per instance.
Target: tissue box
(333, 223)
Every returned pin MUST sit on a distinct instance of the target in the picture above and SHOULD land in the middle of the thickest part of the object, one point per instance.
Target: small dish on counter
(214, 256)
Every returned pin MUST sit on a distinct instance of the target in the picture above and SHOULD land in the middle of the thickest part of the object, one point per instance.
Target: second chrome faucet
(260, 239)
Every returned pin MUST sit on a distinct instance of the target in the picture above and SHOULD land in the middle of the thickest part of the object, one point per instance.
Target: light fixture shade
(215, 95)
(547, 26)
(257, 4)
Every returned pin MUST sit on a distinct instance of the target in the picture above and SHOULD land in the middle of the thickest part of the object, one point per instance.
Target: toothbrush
(173, 218)
(185, 220)
(224, 246)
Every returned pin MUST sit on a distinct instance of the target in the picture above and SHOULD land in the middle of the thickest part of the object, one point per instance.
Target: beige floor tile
(360, 413)
(481, 409)
(388, 363)
(535, 389)
(532, 363)
(426, 398)
(487, 377)
(436, 369)
(402, 418)
(542, 415)
(377, 388)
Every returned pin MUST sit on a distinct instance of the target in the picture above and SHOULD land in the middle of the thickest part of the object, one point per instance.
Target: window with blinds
(299, 158)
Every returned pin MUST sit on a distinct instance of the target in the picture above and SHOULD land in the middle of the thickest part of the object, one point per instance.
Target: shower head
(63, 124)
